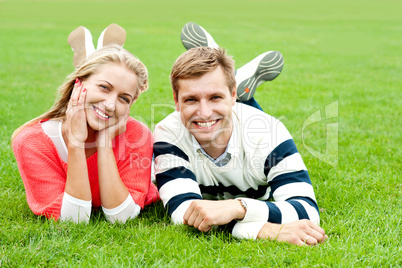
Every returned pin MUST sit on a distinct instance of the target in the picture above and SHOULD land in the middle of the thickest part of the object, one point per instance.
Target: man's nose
(205, 110)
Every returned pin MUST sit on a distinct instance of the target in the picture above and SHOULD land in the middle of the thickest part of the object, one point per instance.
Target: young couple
(218, 162)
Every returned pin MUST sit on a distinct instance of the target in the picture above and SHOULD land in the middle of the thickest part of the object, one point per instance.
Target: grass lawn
(342, 79)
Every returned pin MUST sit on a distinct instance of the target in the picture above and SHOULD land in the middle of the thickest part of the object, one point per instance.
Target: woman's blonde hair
(106, 55)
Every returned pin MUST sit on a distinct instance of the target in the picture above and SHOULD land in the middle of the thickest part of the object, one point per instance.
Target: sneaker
(113, 34)
(81, 43)
(265, 67)
(193, 35)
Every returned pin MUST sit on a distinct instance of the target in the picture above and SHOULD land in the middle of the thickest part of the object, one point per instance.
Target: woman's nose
(110, 105)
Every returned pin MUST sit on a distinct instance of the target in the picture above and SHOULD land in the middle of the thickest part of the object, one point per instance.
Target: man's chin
(202, 138)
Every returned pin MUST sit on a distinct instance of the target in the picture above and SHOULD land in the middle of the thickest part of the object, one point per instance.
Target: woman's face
(110, 93)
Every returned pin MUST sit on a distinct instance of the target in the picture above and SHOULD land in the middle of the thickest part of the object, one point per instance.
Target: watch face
(243, 204)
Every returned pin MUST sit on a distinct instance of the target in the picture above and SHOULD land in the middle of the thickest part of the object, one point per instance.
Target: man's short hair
(199, 61)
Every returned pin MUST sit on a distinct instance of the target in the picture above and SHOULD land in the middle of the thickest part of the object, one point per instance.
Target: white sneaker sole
(265, 67)
(193, 35)
(81, 43)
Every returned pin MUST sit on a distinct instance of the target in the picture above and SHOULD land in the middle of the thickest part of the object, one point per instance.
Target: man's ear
(176, 101)
(234, 95)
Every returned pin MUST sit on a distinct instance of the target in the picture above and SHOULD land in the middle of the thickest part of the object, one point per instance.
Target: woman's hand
(113, 192)
(77, 131)
(106, 136)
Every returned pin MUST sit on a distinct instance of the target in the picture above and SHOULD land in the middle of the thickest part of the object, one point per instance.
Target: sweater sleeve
(42, 171)
(289, 193)
(126, 210)
(291, 190)
(75, 209)
(134, 162)
(175, 178)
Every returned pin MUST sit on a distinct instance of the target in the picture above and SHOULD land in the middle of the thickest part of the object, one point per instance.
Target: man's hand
(301, 232)
(203, 214)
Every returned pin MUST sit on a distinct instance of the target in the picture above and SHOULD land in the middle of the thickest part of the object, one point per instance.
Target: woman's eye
(125, 99)
(104, 87)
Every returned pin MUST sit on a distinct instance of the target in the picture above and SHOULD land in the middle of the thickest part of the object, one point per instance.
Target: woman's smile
(100, 113)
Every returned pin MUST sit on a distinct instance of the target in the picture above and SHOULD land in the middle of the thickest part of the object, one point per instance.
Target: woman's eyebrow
(110, 84)
(128, 94)
(105, 81)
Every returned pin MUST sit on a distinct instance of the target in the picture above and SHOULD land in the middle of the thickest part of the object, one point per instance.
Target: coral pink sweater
(44, 173)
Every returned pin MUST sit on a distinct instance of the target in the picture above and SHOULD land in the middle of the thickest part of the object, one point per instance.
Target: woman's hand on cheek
(106, 136)
(76, 116)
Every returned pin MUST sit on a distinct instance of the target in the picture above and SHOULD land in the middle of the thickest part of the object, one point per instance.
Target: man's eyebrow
(189, 96)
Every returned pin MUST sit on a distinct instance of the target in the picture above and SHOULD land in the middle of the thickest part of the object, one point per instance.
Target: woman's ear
(81, 43)
(113, 34)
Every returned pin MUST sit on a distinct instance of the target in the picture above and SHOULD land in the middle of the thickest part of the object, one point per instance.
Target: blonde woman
(87, 152)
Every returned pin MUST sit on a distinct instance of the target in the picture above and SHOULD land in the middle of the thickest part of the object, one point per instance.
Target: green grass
(344, 51)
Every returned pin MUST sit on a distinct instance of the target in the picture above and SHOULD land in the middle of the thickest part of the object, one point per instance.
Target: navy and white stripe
(177, 183)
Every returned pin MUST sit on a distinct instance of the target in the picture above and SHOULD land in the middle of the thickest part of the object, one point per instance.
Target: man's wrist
(247, 230)
(243, 209)
(270, 231)
(243, 204)
(257, 210)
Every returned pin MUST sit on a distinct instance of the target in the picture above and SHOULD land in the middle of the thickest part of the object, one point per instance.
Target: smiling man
(223, 163)
(205, 106)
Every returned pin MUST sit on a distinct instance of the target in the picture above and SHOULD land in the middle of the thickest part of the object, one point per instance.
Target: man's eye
(189, 100)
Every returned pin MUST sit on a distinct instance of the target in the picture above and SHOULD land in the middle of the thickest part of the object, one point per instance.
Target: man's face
(205, 105)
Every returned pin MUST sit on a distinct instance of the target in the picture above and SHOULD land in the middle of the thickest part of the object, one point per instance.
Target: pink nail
(84, 89)
(76, 80)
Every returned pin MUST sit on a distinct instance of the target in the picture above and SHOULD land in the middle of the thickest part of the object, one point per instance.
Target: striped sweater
(265, 169)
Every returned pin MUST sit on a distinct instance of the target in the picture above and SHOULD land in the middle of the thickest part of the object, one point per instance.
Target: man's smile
(206, 124)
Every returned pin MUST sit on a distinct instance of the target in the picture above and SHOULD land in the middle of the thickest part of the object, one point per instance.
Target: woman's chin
(96, 127)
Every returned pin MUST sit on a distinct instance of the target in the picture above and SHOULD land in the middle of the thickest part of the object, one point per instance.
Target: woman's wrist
(104, 141)
(74, 144)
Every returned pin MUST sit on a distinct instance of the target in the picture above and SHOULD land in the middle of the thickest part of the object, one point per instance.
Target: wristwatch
(243, 204)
